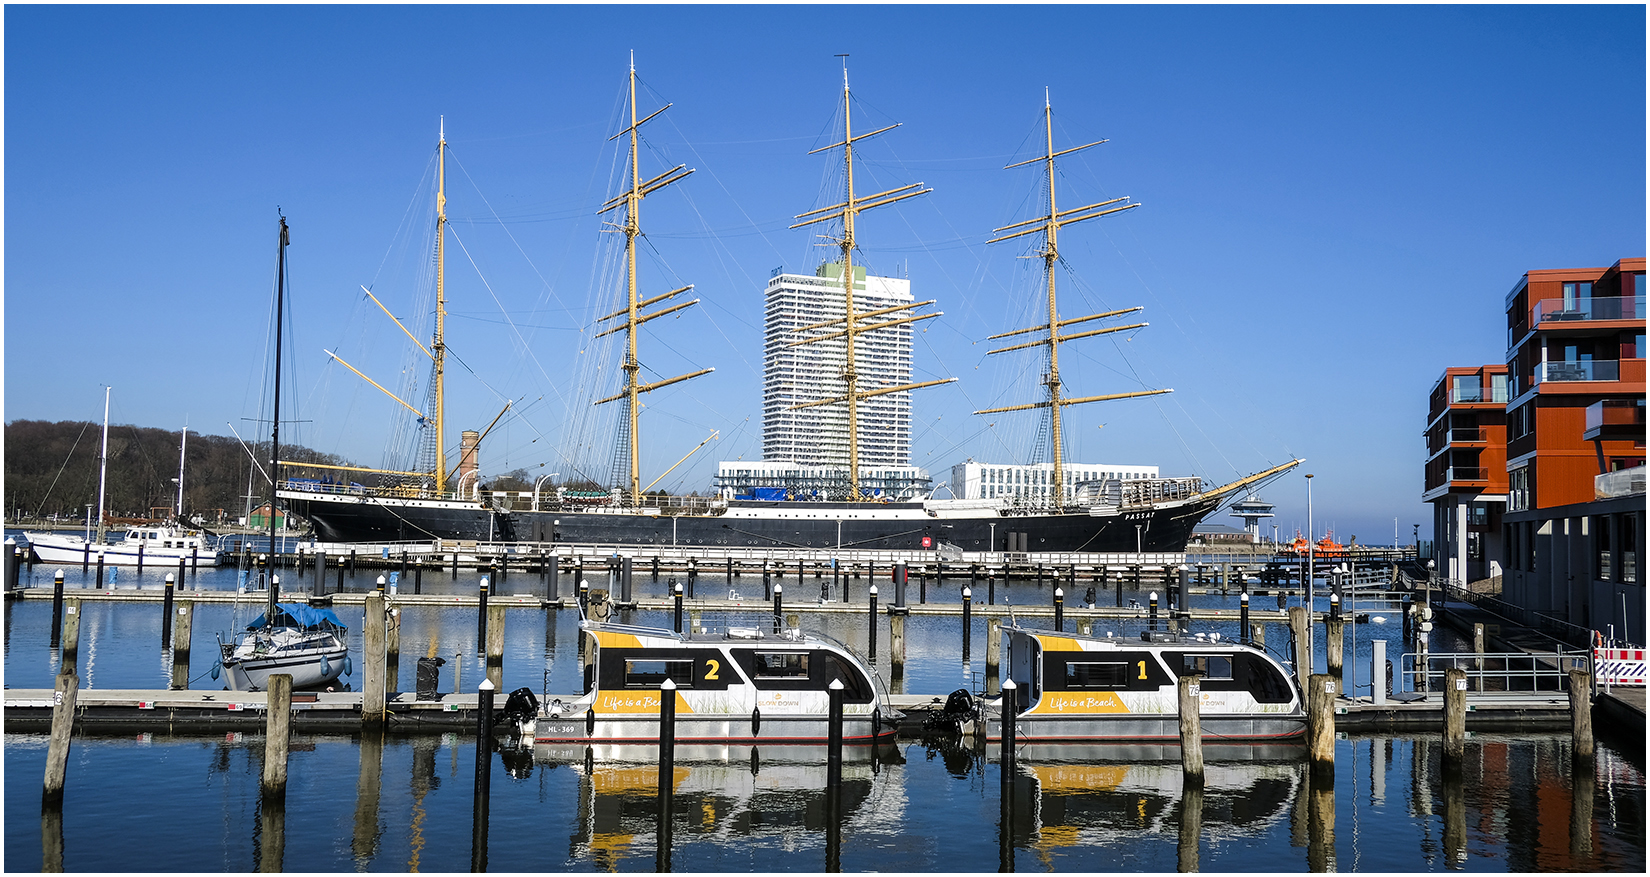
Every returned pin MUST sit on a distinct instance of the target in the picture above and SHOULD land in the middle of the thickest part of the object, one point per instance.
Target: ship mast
(1049, 225)
(438, 346)
(847, 211)
(631, 201)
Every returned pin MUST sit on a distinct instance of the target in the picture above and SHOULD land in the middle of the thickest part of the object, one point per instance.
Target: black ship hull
(763, 525)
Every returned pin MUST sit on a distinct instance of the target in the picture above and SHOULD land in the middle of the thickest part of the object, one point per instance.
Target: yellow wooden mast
(847, 211)
(631, 201)
(1049, 225)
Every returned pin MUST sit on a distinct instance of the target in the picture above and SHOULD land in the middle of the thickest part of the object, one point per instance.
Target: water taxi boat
(741, 685)
(1102, 688)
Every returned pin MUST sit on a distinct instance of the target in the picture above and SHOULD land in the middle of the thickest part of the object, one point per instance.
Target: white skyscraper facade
(818, 436)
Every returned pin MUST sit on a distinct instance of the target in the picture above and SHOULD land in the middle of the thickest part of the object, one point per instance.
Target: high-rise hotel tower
(818, 436)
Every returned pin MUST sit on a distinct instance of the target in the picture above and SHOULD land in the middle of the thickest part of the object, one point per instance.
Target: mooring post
(993, 652)
(991, 584)
(14, 566)
(767, 577)
(379, 586)
(1455, 717)
(778, 606)
(666, 791)
(1581, 715)
(833, 781)
(1334, 644)
(1299, 619)
(626, 573)
(71, 636)
(1152, 602)
(340, 588)
(902, 577)
(495, 646)
(140, 558)
(183, 567)
(896, 645)
(1320, 724)
(871, 624)
(1010, 708)
(1191, 731)
(1059, 609)
(552, 572)
(166, 612)
(676, 589)
(418, 577)
(181, 629)
(373, 654)
(392, 652)
(57, 607)
(1243, 617)
(1478, 659)
(481, 614)
(484, 776)
(57, 750)
(1377, 672)
(967, 621)
(277, 736)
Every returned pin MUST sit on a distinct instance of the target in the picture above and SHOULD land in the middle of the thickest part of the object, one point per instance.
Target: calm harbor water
(404, 803)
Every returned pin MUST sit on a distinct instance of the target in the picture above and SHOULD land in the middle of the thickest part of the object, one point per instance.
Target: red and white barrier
(1618, 666)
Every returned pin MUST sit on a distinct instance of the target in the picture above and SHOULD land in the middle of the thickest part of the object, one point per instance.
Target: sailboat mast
(183, 450)
(632, 228)
(850, 374)
(1051, 254)
(103, 466)
(631, 201)
(1049, 227)
(275, 419)
(438, 348)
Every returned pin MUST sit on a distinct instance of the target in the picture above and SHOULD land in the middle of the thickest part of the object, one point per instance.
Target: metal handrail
(1495, 671)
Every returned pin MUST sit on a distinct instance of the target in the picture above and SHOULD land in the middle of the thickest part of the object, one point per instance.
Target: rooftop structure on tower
(1251, 510)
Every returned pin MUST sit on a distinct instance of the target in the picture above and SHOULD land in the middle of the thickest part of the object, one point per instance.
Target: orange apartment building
(1571, 533)
(1466, 470)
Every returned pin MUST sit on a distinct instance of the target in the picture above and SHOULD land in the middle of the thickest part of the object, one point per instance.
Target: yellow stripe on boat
(634, 702)
(1078, 703)
(609, 640)
(1058, 643)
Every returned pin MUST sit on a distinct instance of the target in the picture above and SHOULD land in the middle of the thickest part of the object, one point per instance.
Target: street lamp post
(1311, 595)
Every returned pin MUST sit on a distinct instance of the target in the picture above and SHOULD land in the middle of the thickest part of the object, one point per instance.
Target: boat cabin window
(1208, 666)
(1096, 675)
(781, 665)
(652, 674)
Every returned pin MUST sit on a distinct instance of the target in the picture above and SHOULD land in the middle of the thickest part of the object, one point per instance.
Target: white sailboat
(158, 545)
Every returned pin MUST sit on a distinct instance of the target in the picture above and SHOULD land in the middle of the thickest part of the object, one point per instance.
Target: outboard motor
(520, 713)
(959, 708)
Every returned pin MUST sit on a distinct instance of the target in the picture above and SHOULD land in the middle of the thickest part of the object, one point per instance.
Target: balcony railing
(1590, 370)
(1616, 413)
(1623, 307)
(1622, 482)
(1479, 394)
(1467, 434)
(1466, 473)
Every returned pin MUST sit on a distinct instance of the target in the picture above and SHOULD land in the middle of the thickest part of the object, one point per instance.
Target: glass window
(1638, 340)
(652, 674)
(781, 665)
(1096, 675)
(1498, 388)
(1209, 666)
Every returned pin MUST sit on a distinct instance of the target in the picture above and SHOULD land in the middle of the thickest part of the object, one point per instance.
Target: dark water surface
(405, 803)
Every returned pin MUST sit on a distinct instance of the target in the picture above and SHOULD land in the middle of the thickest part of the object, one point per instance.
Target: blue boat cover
(299, 615)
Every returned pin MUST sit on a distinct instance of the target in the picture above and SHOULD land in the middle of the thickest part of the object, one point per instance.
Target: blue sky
(1336, 199)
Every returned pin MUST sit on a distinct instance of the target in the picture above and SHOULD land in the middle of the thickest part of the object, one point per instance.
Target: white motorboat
(158, 546)
(304, 641)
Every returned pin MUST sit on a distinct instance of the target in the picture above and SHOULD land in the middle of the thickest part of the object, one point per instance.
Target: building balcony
(1590, 370)
(1624, 307)
(1466, 473)
(1460, 395)
(1614, 418)
(1626, 482)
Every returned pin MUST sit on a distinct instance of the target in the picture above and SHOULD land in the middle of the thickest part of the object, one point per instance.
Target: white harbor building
(1032, 483)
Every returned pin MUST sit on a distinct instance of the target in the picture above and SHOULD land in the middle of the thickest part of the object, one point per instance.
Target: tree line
(51, 469)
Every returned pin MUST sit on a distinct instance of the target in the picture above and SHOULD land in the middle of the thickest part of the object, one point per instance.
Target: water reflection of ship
(618, 805)
(1075, 802)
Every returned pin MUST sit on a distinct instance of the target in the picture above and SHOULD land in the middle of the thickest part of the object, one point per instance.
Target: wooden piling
(182, 627)
(495, 646)
(392, 651)
(1455, 716)
(1191, 731)
(1320, 724)
(1257, 635)
(1581, 715)
(1299, 621)
(1334, 645)
(993, 647)
(57, 750)
(1478, 652)
(1191, 830)
(277, 736)
(71, 636)
(896, 645)
(373, 653)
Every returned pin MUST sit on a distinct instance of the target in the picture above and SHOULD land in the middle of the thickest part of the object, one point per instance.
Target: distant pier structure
(1251, 510)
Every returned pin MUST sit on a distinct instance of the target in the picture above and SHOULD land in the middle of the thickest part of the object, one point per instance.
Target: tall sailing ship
(1155, 514)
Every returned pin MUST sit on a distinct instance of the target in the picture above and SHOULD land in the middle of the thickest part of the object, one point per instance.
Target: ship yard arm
(1257, 478)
